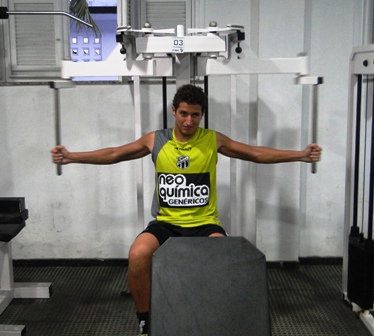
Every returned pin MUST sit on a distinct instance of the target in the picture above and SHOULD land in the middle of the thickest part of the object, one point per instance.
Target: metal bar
(6, 268)
(315, 122)
(206, 90)
(57, 124)
(234, 225)
(164, 103)
(32, 290)
(49, 13)
(255, 66)
(368, 320)
(12, 330)
(371, 182)
(139, 163)
(56, 86)
(156, 67)
(357, 153)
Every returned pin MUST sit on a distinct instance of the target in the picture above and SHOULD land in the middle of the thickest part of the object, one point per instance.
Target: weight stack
(360, 286)
(209, 286)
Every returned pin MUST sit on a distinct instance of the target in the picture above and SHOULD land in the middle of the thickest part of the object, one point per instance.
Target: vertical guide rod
(371, 182)
(139, 163)
(356, 178)
(206, 90)
(233, 164)
(164, 103)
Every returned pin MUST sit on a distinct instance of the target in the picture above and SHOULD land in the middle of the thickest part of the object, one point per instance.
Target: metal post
(164, 103)
(139, 163)
(206, 90)
(355, 229)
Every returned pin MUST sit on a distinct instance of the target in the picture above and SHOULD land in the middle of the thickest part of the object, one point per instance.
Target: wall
(91, 211)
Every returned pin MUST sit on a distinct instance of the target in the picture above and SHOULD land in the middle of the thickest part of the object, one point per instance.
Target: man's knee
(143, 248)
(138, 253)
(217, 234)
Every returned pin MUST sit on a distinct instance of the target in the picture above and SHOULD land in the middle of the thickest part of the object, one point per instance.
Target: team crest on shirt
(183, 162)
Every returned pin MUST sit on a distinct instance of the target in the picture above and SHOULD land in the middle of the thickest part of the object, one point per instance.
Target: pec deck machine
(183, 55)
(186, 55)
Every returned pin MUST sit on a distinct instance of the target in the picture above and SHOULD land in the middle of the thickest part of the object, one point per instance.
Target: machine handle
(314, 122)
(56, 86)
(57, 125)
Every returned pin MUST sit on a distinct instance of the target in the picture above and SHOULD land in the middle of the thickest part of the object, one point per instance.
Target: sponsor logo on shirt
(183, 190)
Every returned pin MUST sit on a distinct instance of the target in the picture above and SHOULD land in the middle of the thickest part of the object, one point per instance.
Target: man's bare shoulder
(147, 140)
(221, 139)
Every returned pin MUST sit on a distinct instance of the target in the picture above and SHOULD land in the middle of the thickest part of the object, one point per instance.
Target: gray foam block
(209, 286)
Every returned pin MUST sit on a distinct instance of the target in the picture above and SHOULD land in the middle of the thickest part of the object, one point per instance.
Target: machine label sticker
(178, 45)
(188, 190)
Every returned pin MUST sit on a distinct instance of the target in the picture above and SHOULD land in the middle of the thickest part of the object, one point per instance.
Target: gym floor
(91, 298)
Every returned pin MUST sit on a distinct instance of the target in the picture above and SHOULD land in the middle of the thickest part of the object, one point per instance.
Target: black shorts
(163, 231)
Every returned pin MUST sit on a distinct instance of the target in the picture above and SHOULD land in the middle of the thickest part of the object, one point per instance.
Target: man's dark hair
(192, 95)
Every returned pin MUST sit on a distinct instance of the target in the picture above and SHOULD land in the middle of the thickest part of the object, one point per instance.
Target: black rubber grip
(4, 13)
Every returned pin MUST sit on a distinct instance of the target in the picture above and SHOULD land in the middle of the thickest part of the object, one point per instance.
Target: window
(32, 46)
(35, 44)
(168, 14)
(85, 46)
(161, 14)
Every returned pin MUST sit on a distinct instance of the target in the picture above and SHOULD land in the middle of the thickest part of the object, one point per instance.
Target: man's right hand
(60, 155)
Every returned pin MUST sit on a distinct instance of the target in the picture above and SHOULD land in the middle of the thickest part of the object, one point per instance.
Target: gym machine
(358, 258)
(13, 215)
(184, 55)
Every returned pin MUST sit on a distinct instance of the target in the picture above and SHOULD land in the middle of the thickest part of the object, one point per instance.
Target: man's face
(187, 119)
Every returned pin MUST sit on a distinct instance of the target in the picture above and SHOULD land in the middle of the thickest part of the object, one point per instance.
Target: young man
(185, 200)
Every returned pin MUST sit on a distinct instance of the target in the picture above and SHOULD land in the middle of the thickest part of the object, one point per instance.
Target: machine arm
(4, 14)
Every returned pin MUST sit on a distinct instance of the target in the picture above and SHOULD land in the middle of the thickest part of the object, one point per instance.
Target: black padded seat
(13, 216)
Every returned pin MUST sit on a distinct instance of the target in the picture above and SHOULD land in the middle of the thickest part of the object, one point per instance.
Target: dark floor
(93, 300)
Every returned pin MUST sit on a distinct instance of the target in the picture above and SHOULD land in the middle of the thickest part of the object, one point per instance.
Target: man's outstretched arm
(135, 150)
(259, 154)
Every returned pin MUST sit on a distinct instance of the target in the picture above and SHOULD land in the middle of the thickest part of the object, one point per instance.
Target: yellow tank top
(185, 192)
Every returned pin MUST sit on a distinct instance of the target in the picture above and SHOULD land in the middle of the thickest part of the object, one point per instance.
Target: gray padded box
(209, 286)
